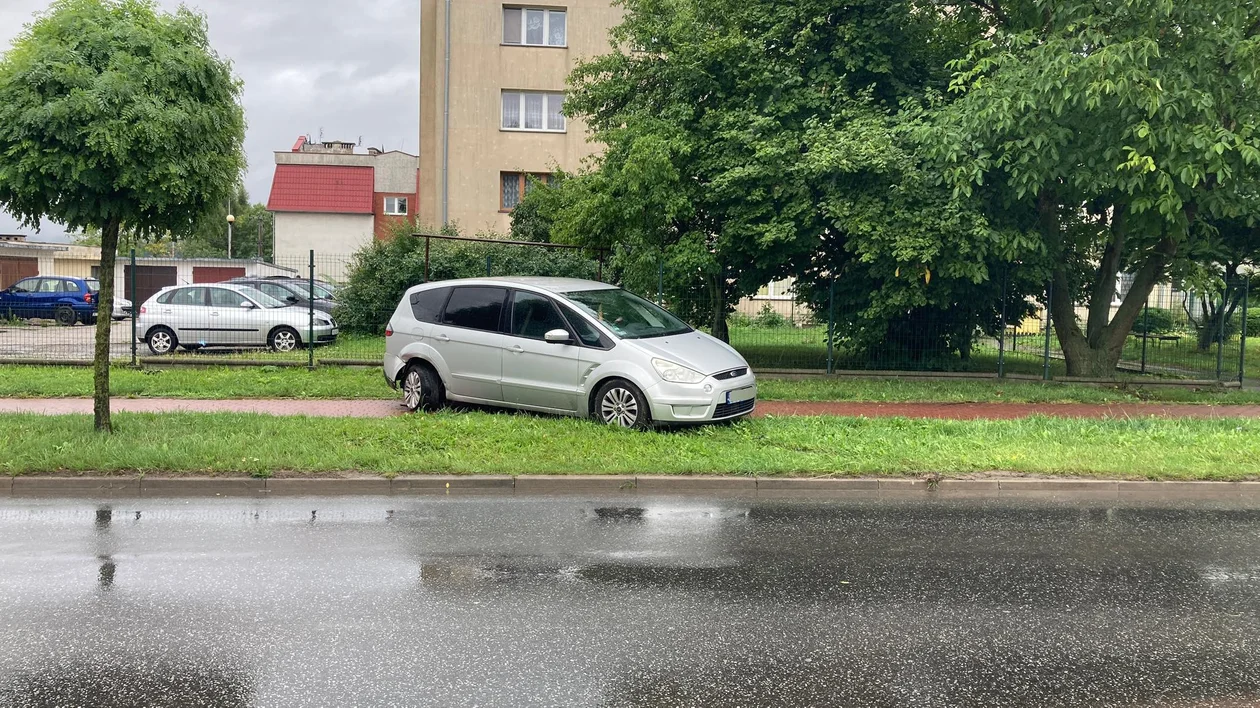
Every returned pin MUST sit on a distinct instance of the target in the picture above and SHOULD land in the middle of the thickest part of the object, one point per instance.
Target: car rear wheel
(284, 339)
(65, 316)
(421, 389)
(620, 403)
(162, 341)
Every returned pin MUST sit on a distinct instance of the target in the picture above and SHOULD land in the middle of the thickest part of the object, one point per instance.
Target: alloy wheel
(413, 389)
(161, 342)
(284, 341)
(619, 407)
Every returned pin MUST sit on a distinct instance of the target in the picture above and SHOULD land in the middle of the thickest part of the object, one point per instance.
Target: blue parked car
(66, 300)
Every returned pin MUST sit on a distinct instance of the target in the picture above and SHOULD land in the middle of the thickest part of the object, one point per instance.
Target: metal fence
(1182, 335)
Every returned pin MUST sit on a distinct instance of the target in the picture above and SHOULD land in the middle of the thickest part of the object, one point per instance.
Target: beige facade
(462, 158)
(334, 238)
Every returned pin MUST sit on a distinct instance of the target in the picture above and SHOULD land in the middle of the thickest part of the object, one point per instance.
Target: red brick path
(382, 409)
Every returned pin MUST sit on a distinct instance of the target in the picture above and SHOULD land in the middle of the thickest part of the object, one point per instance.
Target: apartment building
(492, 88)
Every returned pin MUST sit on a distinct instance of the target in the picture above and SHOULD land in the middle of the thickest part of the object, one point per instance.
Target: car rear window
(93, 285)
(426, 305)
(475, 308)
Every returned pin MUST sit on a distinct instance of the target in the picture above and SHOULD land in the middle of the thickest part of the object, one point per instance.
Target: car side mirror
(291, 298)
(247, 305)
(557, 336)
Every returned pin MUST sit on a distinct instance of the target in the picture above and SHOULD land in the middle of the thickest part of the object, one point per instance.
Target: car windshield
(93, 285)
(262, 298)
(323, 292)
(628, 316)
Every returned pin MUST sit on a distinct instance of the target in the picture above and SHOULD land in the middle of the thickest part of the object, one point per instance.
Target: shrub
(768, 318)
(1156, 320)
(383, 270)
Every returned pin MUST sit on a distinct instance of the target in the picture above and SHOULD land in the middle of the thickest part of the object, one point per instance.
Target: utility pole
(260, 240)
(231, 220)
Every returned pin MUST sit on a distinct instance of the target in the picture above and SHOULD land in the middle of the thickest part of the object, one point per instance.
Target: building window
(514, 185)
(534, 27)
(533, 110)
(396, 206)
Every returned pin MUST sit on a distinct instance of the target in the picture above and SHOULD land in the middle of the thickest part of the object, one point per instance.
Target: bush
(1156, 320)
(768, 318)
(383, 270)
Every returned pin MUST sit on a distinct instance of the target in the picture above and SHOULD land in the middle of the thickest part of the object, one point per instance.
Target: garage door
(216, 274)
(149, 280)
(13, 269)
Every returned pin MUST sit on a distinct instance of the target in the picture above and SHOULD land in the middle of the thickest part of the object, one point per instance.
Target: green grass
(485, 443)
(336, 382)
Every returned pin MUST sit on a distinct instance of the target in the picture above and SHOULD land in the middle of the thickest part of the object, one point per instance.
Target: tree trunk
(1096, 351)
(717, 302)
(104, 309)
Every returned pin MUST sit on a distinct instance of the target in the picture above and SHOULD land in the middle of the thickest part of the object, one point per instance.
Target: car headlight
(323, 322)
(676, 373)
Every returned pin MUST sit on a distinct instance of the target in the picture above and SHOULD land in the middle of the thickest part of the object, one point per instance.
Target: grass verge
(335, 382)
(487, 443)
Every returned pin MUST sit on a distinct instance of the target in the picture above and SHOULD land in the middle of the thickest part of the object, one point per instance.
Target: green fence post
(488, 266)
(1220, 333)
(831, 326)
(310, 314)
(1146, 330)
(660, 281)
(1045, 357)
(1242, 343)
(1002, 330)
(135, 309)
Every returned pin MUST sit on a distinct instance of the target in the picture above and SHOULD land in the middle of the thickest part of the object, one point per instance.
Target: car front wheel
(620, 403)
(284, 339)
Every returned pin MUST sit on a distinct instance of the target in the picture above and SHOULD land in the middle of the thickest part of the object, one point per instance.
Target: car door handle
(442, 338)
(517, 349)
(214, 314)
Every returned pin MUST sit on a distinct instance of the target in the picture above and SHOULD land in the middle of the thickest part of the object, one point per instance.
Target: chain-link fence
(312, 309)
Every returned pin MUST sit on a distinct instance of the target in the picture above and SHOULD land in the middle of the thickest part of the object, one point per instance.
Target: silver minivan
(561, 345)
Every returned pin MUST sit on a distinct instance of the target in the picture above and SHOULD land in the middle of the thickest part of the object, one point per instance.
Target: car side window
(188, 296)
(475, 308)
(533, 316)
(426, 305)
(279, 293)
(586, 332)
(50, 285)
(25, 286)
(222, 297)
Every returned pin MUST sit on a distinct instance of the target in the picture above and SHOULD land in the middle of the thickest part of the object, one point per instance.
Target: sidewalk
(387, 408)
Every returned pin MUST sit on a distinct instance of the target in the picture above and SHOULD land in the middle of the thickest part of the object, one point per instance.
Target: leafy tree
(1223, 260)
(111, 113)
(209, 235)
(1124, 124)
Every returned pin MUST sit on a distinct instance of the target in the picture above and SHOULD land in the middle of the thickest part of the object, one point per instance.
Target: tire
(421, 388)
(162, 340)
(284, 339)
(65, 316)
(620, 403)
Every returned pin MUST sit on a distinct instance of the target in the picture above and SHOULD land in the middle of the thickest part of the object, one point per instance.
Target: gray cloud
(350, 69)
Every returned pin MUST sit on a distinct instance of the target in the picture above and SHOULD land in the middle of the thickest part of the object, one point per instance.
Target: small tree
(113, 113)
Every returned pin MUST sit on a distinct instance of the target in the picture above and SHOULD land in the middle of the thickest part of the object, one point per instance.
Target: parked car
(66, 300)
(226, 315)
(291, 291)
(122, 308)
(561, 345)
(323, 289)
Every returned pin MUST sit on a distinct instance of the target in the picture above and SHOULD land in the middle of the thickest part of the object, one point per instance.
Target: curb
(787, 487)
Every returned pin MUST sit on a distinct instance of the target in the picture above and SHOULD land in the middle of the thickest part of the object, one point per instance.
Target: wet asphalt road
(628, 601)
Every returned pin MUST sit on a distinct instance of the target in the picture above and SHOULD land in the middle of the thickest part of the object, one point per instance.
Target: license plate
(741, 394)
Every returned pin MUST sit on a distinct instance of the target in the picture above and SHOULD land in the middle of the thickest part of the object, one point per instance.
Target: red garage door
(216, 274)
(13, 269)
(149, 280)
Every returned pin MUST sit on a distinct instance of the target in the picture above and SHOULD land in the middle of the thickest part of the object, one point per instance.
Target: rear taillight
(142, 310)
(87, 297)
(389, 330)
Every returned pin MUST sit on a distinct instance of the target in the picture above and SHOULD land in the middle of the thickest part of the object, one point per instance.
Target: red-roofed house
(327, 197)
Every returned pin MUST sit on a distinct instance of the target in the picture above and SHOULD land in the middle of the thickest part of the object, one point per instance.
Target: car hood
(694, 350)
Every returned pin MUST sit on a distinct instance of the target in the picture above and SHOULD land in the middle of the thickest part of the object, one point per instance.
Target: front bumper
(690, 403)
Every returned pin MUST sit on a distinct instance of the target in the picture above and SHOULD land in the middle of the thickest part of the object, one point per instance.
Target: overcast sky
(348, 67)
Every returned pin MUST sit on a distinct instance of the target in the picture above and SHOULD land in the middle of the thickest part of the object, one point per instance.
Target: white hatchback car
(561, 345)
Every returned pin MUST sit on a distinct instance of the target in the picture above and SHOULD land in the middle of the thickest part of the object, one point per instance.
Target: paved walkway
(383, 409)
